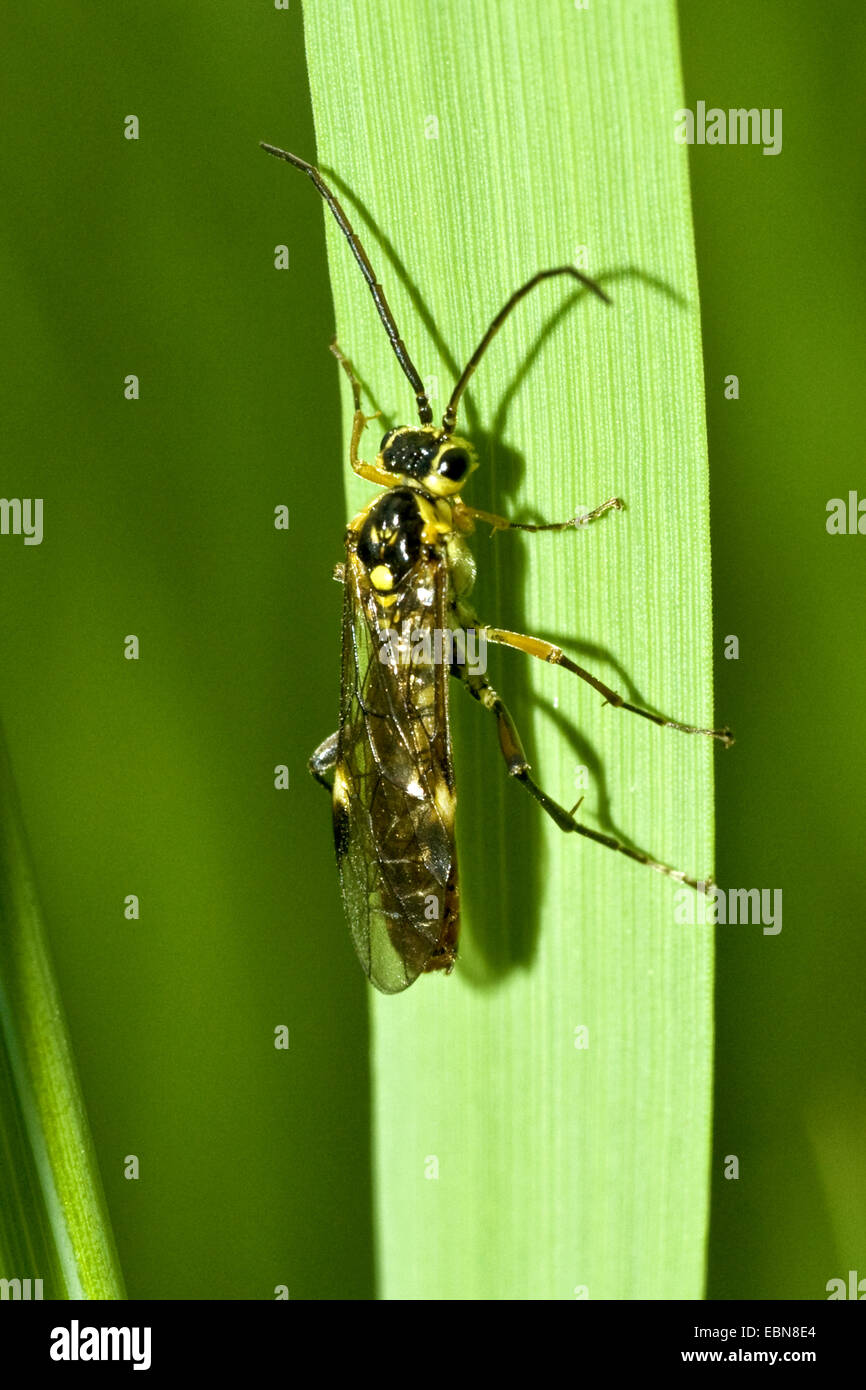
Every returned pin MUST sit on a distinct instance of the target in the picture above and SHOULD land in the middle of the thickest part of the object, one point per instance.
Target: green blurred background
(780, 258)
(155, 777)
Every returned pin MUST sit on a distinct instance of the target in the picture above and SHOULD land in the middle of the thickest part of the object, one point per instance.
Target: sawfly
(407, 625)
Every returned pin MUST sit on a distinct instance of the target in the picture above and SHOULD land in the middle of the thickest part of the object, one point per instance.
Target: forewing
(394, 790)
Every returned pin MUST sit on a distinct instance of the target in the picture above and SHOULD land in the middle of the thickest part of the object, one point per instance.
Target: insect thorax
(399, 528)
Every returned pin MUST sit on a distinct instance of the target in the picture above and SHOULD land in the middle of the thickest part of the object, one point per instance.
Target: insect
(407, 617)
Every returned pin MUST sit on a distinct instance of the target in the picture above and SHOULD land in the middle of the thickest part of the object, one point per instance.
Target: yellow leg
(546, 651)
(369, 471)
(465, 514)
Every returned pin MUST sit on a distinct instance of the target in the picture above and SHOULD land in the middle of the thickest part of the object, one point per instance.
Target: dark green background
(780, 249)
(156, 257)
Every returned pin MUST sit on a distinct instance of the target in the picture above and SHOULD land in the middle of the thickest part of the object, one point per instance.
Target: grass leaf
(474, 142)
(53, 1221)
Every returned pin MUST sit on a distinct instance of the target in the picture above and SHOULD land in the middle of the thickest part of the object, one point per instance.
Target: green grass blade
(53, 1222)
(486, 139)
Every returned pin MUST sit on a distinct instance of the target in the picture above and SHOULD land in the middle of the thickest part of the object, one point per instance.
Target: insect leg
(501, 523)
(518, 767)
(546, 651)
(350, 373)
(364, 470)
(323, 762)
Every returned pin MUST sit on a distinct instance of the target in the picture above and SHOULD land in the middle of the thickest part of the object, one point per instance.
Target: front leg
(369, 471)
(466, 517)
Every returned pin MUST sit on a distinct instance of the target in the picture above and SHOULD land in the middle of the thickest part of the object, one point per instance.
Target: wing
(394, 782)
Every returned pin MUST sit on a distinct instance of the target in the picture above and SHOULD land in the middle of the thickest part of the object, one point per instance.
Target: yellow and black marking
(408, 570)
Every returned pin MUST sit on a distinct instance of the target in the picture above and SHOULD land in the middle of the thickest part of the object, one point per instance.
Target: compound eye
(453, 464)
